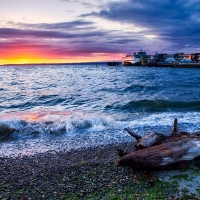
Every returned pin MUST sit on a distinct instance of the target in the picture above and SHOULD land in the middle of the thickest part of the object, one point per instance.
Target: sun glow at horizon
(41, 57)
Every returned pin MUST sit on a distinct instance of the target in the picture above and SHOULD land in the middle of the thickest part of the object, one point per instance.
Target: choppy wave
(156, 106)
(51, 123)
(65, 132)
(137, 87)
(83, 130)
(46, 124)
(64, 107)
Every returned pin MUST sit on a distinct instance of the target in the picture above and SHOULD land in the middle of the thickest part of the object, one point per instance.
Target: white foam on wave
(57, 122)
(59, 130)
(189, 120)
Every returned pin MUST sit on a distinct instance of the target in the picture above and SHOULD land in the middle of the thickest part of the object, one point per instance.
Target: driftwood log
(136, 136)
(157, 152)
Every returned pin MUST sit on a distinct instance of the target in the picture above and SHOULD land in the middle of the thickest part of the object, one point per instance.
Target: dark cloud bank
(75, 37)
(176, 24)
(175, 21)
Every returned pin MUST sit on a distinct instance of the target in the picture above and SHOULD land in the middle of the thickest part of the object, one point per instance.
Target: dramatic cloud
(61, 40)
(66, 38)
(73, 25)
(17, 33)
(175, 21)
(111, 28)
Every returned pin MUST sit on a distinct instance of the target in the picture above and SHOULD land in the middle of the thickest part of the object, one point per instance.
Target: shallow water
(71, 106)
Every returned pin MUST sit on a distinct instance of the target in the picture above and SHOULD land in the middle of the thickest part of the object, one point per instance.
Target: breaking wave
(78, 130)
(64, 124)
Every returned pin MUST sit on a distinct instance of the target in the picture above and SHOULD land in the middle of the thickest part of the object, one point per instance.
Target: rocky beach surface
(89, 173)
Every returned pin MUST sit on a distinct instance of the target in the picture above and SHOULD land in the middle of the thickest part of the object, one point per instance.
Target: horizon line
(70, 63)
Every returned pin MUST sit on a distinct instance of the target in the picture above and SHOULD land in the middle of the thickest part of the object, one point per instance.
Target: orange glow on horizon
(28, 56)
(39, 116)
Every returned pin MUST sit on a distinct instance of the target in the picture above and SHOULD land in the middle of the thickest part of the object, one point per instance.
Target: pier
(178, 60)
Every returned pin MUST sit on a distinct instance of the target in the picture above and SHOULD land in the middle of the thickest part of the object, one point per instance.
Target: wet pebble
(64, 174)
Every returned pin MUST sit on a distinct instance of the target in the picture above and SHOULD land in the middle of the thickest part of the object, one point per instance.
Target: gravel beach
(88, 173)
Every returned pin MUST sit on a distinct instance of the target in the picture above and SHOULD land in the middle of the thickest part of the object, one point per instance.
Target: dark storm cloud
(75, 35)
(62, 41)
(18, 33)
(175, 21)
(149, 13)
(77, 24)
(121, 41)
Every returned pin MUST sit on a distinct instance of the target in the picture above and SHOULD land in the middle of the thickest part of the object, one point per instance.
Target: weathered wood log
(175, 128)
(149, 140)
(174, 152)
(136, 136)
(157, 152)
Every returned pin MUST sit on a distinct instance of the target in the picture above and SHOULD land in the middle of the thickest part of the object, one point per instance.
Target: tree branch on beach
(157, 152)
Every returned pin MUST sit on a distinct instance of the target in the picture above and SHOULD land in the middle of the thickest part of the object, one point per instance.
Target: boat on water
(162, 60)
(135, 59)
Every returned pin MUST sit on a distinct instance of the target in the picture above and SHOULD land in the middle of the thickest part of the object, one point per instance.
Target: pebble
(62, 175)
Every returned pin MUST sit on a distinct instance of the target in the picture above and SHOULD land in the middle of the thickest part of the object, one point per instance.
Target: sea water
(62, 107)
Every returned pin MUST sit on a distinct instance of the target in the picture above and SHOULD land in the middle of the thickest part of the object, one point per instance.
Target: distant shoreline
(78, 63)
(188, 66)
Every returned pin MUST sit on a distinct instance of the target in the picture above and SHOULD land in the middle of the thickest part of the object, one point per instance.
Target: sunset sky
(50, 31)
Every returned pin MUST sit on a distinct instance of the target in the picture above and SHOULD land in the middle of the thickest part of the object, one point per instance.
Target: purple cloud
(174, 21)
